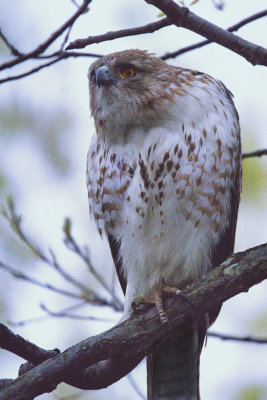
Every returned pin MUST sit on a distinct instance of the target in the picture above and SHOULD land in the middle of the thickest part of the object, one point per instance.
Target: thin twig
(20, 275)
(86, 293)
(140, 30)
(14, 219)
(84, 289)
(30, 72)
(62, 314)
(66, 38)
(43, 46)
(60, 56)
(247, 339)
(44, 317)
(72, 245)
(197, 45)
(12, 48)
(67, 54)
(257, 153)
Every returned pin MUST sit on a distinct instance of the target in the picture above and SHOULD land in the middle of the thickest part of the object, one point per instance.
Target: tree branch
(152, 27)
(86, 293)
(136, 336)
(247, 339)
(58, 57)
(43, 46)
(197, 45)
(183, 17)
(149, 28)
(80, 43)
(257, 153)
(23, 348)
(12, 48)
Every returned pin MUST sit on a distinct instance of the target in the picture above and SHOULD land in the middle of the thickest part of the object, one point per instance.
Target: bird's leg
(156, 298)
(159, 304)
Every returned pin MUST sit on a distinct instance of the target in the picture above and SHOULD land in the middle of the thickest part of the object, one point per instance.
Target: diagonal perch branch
(197, 45)
(183, 17)
(136, 336)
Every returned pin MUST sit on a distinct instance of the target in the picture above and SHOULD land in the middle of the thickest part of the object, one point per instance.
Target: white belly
(173, 217)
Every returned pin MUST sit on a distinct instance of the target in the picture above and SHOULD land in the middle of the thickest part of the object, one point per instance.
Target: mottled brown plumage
(164, 185)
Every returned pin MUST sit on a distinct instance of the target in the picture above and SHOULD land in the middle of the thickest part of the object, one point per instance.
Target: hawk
(163, 178)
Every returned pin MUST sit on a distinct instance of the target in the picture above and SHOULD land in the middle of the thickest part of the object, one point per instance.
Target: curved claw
(157, 299)
(177, 292)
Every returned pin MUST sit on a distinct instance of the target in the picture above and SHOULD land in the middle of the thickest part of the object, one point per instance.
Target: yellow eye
(127, 73)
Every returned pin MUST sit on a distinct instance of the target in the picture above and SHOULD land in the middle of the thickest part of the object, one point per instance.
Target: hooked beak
(102, 76)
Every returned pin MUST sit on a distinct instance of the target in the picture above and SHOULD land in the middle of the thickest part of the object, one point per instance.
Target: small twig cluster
(84, 294)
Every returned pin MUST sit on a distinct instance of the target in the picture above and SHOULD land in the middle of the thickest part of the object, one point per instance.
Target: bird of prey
(164, 178)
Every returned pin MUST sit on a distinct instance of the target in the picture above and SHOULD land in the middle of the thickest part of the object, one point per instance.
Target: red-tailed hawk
(164, 185)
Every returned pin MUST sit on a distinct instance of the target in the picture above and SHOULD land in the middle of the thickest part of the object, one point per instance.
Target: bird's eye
(127, 73)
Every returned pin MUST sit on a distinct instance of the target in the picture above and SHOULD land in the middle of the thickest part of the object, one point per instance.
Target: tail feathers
(173, 367)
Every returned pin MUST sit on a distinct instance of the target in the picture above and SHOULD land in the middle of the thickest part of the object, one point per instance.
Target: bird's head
(128, 89)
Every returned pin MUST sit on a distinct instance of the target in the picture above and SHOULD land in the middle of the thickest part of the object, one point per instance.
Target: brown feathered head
(128, 88)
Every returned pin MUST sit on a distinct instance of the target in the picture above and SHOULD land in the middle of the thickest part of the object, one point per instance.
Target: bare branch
(152, 27)
(20, 275)
(67, 314)
(149, 28)
(43, 317)
(72, 245)
(69, 278)
(23, 348)
(12, 48)
(109, 370)
(43, 46)
(59, 57)
(80, 43)
(86, 293)
(135, 337)
(67, 54)
(257, 153)
(247, 20)
(30, 72)
(232, 28)
(183, 17)
(247, 339)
